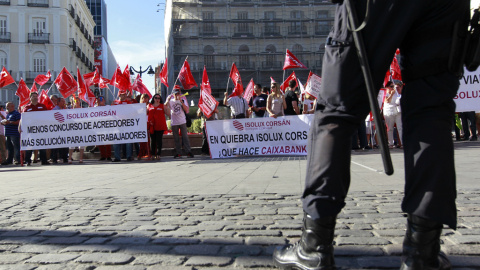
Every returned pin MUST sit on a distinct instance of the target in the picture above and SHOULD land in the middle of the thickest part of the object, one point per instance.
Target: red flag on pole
(91, 78)
(34, 88)
(164, 73)
(43, 79)
(128, 81)
(272, 80)
(205, 82)
(103, 82)
(207, 102)
(308, 79)
(140, 87)
(291, 61)
(45, 100)
(185, 76)
(285, 83)
(237, 81)
(5, 78)
(65, 83)
(249, 91)
(23, 93)
(120, 81)
(84, 92)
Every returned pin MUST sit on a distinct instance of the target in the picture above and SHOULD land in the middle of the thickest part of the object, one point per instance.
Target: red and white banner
(280, 136)
(468, 95)
(83, 127)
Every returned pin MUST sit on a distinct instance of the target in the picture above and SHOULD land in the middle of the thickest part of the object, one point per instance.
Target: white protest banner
(313, 86)
(83, 127)
(468, 95)
(269, 136)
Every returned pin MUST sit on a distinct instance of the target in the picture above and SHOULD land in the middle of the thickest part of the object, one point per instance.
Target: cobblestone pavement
(210, 214)
(209, 231)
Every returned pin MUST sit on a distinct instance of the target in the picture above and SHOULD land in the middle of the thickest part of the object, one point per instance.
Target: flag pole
(179, 72)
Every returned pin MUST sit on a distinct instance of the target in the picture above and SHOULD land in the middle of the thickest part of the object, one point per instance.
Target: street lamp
(149, 69)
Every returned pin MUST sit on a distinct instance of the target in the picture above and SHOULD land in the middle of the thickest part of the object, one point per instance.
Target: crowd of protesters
(265, 102)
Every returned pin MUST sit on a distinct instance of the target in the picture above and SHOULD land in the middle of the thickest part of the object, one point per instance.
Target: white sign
(83, 127)
(259, 136)
(313, 86)
(468, 95)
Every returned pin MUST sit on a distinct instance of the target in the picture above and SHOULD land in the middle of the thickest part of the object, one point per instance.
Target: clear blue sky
(135, 34)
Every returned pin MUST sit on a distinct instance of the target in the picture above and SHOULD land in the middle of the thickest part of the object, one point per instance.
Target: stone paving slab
(362, 242)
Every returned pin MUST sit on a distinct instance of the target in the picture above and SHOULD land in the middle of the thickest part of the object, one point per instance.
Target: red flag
(205, 82)
(185, 76)
(43, 79)
(164, 74)
(84, 92)
(34, 88)
(91, 78)
(140, 87)
(395, 69)
(272, 80)
(249, 91)
(291, 61)
(65, 83)
(23, 93)
(119, 80)
(103, 82)
(285, 83)
(45, 100)
(126, 76)
(237, 81)
(5, 78)
(308, 79)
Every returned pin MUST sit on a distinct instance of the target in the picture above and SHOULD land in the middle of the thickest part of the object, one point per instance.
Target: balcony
(37, 3)
(243, 32)
(4, 2)
(82, 27)
(39, 38)
(272, 65)
(245, 65)
(5, 37)
(73, 44)
(208, 31)
(270, 2)
(72, 11)
(78, 52)
(77, 20)
(31, 75)
(213, 66)
(271, 31)
(296, 2)
(297, 30)
(83, 57)
(241, 3)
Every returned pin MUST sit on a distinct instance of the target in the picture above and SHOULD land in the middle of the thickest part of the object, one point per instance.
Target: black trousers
(156, 140)
(423, 32)
(467, 117)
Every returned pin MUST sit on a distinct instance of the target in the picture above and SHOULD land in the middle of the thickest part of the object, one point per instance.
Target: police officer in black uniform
(424, 30)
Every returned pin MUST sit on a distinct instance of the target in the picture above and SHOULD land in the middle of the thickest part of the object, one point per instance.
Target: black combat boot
(421, 246)
(314, 251)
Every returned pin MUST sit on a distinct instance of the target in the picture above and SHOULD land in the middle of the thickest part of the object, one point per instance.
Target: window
(208, 58)
(270, 57)
(3, 59)
(243, 27)
(269, 15)
(322, 27)
(207, 15)
(3, 25)
(244, 60)
(242, 15)
(39, 26)
(296, 14)
(322, 14)
(39, 62)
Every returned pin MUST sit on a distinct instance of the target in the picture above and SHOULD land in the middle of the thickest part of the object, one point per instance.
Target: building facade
(253, 34)
(104, 59)
(41, 35)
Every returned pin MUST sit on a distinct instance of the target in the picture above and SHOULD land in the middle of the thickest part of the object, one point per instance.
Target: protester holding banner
(123, 99)
(11, 122)
(238, 106)
(33, 107)
(105, 150)
(62, 153)
(291, 99)
(259, 102)
(178, 107)
(157, 125)
(276, 101)
(77, 103)
(143, 151)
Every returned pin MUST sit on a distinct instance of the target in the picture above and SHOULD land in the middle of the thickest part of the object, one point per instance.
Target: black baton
(372, 98)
